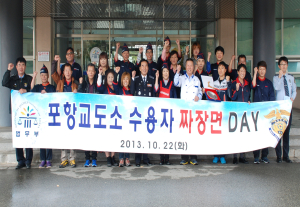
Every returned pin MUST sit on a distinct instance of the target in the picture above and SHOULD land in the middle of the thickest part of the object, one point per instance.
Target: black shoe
(148, 163)
(108, 161)
(137, 164)
(113, 161)
(162, 162)
(20, 165)
(243, 160)
(28, 165)
(167, 162)
(279, 160)
(286, 159)
(235, 161)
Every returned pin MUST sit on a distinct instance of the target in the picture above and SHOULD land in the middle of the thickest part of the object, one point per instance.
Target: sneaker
(42, 165)
(243, 160)
(108, 161)
(286, 159)
(72, 163)
(256, 161)
(113, 161)
(265, 160)
(87, 163)
(279, 160)
(222, 159)
(235, 161)
(48, 164)
(121, 164)
(216, 160)
(127, 162)
(64, 164)
(94, 163)
(194, 162)
(183, 162)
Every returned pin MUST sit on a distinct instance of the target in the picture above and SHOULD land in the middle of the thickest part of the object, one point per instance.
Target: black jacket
(84, 87)
(16, 83)
(138, 88)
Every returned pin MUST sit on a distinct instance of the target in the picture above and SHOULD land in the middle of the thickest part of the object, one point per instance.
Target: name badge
(149, 85)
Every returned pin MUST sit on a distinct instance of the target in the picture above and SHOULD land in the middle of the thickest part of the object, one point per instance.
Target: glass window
(245, 36)
(29, 67)
(294, 67)
(278, 36)
(291, 40)
(68, 27)
(28, 37)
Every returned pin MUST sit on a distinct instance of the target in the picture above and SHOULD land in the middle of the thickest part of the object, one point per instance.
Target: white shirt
(190, 86)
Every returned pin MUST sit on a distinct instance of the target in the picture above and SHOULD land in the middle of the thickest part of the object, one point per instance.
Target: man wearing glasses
(285, 87)
(77, 72)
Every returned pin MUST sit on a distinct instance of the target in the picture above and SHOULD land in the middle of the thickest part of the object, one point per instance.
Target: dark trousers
(138, 158)
(123, 155)
(264, 153)
(186, 157)
(164, 157)
(286, 141)
(46, 154)
(20, 155)
(88, 155)
(219, 156)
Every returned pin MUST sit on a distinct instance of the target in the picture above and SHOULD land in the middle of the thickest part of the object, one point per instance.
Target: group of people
(163, 79)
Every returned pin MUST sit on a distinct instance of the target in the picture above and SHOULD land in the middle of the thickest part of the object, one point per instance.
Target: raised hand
(280, 73)
(133, 73)
(117, 69)
(255, 70)
(233, 57)
(10, 66)
(141, 50)
(227, 78)
(237, 87)
(100, 70)
(80, 80)
(208, 56)
(167, 43)
(35, 74)
(117, 45)
(56, 58)
(178, 68)
(157, 74)
(178, 42)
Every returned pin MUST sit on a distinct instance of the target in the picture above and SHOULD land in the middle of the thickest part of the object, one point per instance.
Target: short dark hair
(241, 66)
(222, 63)
(68, 65)
(189, 59)
(143, 60)
(219, 48)
(241, 56)
(262, 64)
(90, 65)
(283, 58)
(21, 60)
(106, 75)
(173, 53)
(69, 48)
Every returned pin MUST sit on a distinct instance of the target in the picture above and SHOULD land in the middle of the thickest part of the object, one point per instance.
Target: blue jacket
(243, 94)
(263, 90)
(214, 70)
(48, 88)
(124, 92)
(77, 72)
(124, 67)
(103, 89)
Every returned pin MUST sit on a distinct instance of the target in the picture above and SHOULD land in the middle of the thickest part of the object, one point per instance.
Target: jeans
(46, 154)
(264, 153)
(123, 155)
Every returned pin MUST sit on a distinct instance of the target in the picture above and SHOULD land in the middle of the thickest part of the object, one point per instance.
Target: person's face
(262, 71)
(242, 61)
(174, 59)
(144, 68)
(283, 66)
(21, 67)
(103, 62)
(125, 55)
(149, 54)
(126, 81)
(189, 67)
(196, 51)
(70, 56)
(91, 72)
(165, 74)
(68, 73)
(110, 79)
(242, 73)
(44, 77)
(200, 63)
(221, 70)
(219, 55)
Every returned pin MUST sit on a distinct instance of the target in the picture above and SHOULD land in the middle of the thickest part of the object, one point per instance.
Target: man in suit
(143, 85)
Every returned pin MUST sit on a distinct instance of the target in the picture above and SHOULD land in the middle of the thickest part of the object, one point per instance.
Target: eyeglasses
(283, 64)
(70, 53)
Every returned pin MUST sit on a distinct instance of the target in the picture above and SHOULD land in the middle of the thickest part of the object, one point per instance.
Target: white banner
(145, 125)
